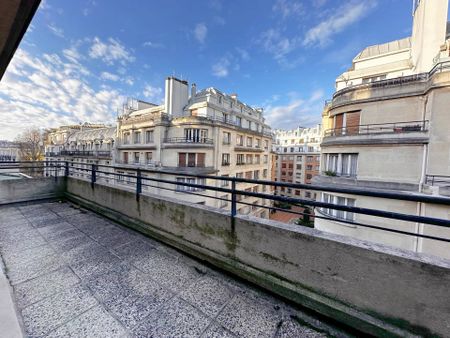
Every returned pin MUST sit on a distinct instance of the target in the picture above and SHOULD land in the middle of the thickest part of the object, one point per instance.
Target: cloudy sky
(80, 59)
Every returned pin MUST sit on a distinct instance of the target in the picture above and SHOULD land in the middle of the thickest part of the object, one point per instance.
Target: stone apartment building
(387, 129)
(203, 132)
(82, 146)
(297, 159)
(9, 151)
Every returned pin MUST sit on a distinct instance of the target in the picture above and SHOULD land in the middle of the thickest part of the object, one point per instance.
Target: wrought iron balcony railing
(86, 153)
(200, 140)
(379, 128)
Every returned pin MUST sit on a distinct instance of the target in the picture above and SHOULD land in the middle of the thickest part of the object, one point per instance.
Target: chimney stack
(193, 89)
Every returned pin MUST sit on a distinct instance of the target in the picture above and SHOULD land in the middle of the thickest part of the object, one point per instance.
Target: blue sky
(79, 60)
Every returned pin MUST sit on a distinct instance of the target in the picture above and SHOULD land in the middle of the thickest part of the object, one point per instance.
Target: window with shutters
(191, 159)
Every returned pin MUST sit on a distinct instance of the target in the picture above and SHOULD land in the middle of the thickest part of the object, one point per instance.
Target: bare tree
(31, 145)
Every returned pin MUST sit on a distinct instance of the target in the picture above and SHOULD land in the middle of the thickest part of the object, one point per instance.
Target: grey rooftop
(75, 274)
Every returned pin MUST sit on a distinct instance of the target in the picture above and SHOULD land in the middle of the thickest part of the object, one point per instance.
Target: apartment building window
(283, 165)
(250, 125)
(299, 167)
(238, 121)
(136, 157)
(239, 175)
(189, 180)
(342, 164)
(249, 141)
(258, 143)
(283, 173)
(309, 158)
(309, 167)
(126, 138)
(226, 138)
(255, 189)
(239, 140)
(225, 159)
(191, 159)
(308, 176)
(257, 159)
(195, 135)
(137, 137)
(120, 177)
(240, 159)
(148, 157)
(248, 175)
(249, 159)
(266, 159)
(224, 183)
(256, 174)
(149, 136)
(291, 165)
(266, 144)
(308, 194)
(311, 149)
(292, 149)
(264, 173)
(340, 214)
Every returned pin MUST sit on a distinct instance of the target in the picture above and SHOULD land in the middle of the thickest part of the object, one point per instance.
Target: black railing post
(233, 203)
(66, 168)
(93, 175)
(138, 183)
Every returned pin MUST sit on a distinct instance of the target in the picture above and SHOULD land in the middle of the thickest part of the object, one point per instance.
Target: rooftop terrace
(74, 271)
(75, 274)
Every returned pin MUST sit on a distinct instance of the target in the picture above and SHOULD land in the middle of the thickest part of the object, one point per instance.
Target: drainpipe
(420, 210)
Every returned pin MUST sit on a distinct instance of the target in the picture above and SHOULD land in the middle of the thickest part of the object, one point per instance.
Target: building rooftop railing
(398, 81)
(215, 187)
(87, 153)
(379, 128)
(437, 180)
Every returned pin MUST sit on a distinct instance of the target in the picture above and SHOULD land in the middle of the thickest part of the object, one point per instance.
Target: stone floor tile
(217, 331)
(116, 238)
(94, 323)
(249, 318)
(46, 315)
(14, 229)
(45, 221)
(44, 286)
(176, 319)
(145, 296)
(135, 250)
(97, 264)
(66, 244)
(33, 268)
(84, 249)
(55, 228)
(208, 295)
(14, 258)
(167, 271)
(65, 235)
(17, 244)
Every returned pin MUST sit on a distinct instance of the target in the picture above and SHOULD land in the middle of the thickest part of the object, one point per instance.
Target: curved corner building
(388, 128)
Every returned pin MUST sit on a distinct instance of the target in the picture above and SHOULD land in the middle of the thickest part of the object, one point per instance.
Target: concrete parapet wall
(374, 288)
(28, 189)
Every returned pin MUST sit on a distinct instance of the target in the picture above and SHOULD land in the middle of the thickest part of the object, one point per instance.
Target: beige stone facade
(392, 134)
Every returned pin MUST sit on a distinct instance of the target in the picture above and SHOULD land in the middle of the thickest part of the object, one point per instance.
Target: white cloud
(152, 44)
(221, 68)
(47, 91)
(200, 32)
(109, 76)
(296, 112)
(110, 52)
(56, 30)
(276, 44)
(152, 93)
(351, 12)
(288, 8)
(243, 54)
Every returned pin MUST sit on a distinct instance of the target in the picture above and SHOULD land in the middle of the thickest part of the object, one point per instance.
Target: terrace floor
(76, 274)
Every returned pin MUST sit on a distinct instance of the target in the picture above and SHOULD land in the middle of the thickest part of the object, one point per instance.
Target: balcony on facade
(86, 153)
(397, 132)
(188, 142)
(410, 85)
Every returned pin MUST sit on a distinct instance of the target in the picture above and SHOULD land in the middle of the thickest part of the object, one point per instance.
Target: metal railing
(201, 140)
(87, 153)
(379, 128)
(437, 180)
(401, 80)
(236, 195)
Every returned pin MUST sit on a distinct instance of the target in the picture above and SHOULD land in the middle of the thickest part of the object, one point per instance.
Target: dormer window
(220, 99)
